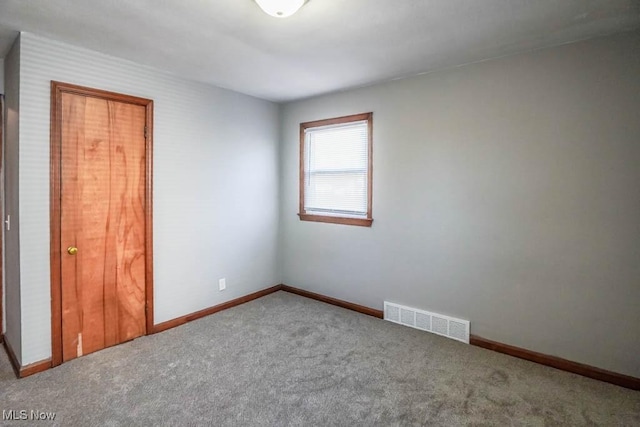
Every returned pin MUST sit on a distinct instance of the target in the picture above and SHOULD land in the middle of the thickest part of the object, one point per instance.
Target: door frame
(57, 89)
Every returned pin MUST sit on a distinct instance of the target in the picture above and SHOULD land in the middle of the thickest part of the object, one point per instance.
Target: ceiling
(329, 45)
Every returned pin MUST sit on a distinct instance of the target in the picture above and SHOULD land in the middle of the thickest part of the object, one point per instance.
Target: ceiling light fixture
(280, 8)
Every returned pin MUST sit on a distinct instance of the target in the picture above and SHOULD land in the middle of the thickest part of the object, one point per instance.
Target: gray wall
(1, 75)
(215, 184)
(11, 251)
(4, 321)
(505, 192)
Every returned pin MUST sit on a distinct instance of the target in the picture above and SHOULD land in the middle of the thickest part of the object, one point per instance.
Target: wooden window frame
(304, 216)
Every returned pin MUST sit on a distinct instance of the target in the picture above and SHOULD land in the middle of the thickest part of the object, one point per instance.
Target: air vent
(459, 330)
(449, 327)
(423, 321)
(407, 317)
(440, 325)
(392, 313)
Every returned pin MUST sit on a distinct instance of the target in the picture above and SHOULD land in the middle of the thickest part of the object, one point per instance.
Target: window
(335, 170)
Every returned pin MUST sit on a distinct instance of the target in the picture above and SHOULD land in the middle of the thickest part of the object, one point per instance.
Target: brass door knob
(72, 250)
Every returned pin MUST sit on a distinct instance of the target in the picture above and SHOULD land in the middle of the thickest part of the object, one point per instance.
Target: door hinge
(145, 132)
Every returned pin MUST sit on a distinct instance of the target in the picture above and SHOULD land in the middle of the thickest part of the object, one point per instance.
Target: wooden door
(103, 215)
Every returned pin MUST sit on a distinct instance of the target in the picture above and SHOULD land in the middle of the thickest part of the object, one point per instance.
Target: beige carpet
(285, 360)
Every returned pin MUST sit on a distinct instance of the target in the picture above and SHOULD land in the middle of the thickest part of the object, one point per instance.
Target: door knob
(72, 250)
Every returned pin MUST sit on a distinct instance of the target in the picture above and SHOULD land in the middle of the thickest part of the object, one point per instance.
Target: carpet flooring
(285, 360)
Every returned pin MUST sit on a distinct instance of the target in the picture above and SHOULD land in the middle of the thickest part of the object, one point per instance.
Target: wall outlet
(222, 284)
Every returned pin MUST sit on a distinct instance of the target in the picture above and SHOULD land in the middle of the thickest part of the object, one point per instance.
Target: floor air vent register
(446, 326)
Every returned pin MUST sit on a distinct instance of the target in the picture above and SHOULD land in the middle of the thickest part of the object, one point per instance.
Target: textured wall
(4, 321)
(215, 184)
(505, 192)
(1, 75)
(11, 266)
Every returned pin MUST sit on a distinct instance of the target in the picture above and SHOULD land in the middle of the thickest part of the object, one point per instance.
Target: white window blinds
(336, 167)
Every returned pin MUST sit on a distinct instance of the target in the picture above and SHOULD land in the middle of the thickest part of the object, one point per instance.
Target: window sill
(362, 222)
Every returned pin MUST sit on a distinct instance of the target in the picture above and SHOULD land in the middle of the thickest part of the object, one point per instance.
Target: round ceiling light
(280, 8)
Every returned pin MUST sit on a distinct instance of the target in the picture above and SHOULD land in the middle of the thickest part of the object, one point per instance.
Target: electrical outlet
(222, 284)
